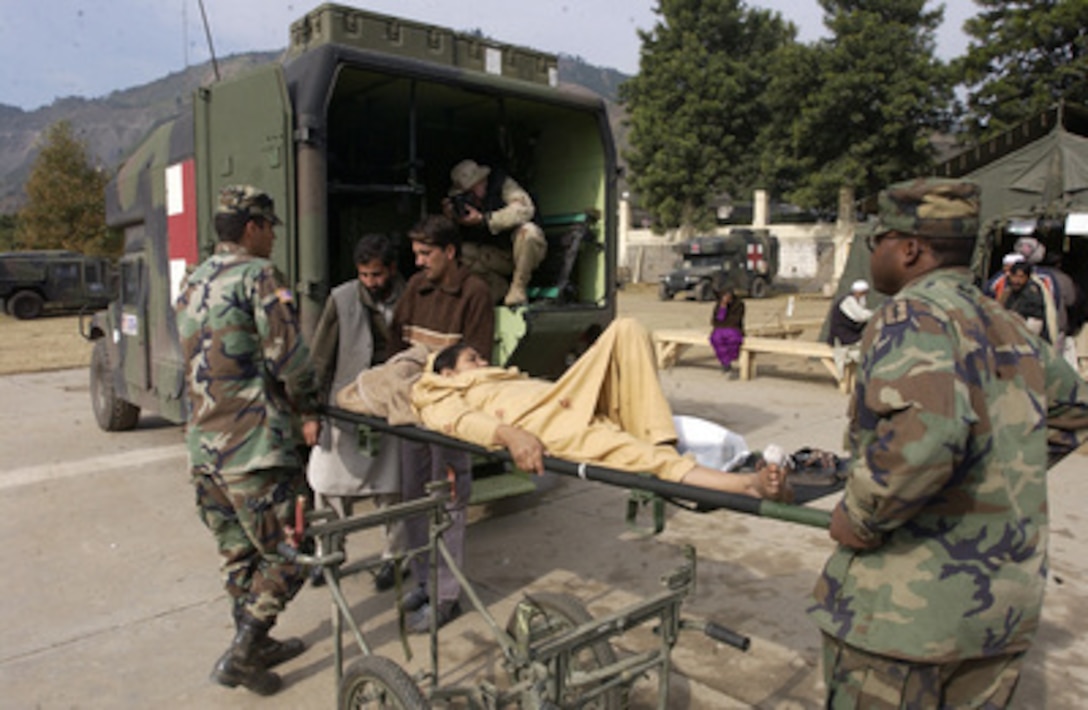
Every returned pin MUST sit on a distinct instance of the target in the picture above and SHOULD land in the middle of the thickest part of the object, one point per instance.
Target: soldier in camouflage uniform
(248, 382)
(935, 589)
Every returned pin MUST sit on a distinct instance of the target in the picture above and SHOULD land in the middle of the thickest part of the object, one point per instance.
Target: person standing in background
(997, 283)
(849, 315)
(1024, 297)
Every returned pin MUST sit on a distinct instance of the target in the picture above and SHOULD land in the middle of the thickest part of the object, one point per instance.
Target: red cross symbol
(755, 257)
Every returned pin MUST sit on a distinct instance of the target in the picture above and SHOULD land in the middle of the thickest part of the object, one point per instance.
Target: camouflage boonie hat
(929, 207)
(246, 200)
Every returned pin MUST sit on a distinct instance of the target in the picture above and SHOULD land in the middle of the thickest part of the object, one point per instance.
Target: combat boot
(529, 251)
(240, 665)
(270, 652)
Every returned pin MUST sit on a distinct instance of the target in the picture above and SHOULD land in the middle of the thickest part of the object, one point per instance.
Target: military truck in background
(355, 130)
(744, 259)
(39, 281)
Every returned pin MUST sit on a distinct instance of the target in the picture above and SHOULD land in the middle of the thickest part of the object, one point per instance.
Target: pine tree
(66, 198)
(1024, 57)
(860, 108)
(695, 106)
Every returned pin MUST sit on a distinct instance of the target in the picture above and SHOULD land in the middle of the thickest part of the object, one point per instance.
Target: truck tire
(26, 305)
(110, 411)
(757, 288)
(663, 292)
(704, 291)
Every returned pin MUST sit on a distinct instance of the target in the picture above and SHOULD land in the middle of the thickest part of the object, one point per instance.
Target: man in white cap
(998, 281)
(849, 315)
(490, 207)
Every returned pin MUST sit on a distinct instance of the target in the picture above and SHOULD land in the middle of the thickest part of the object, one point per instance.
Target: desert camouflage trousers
(496, 264)
(246, 516)
(856, 679)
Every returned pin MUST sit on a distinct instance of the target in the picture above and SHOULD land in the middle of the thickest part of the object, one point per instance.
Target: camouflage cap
(246, 200)
(930, 207)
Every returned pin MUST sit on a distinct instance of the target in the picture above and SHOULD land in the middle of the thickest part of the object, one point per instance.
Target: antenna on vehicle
(185, 32)
(208, 33)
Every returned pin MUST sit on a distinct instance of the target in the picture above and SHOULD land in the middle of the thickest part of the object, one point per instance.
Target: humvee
(355, 130)
(744, 259)
(33, 282)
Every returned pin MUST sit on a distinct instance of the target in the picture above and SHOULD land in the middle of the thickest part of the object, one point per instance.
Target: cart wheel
(555, 614)
(377, 682)
(110, 411)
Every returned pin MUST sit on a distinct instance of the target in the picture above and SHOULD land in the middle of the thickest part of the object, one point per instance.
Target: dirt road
(42, 344)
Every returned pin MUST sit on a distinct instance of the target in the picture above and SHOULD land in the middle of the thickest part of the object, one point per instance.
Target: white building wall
(802, 248)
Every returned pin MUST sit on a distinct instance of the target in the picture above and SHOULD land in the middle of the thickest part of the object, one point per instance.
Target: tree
(1024, 57)
(695, 106)
(66, 198)
(7, 233)
(858, 109)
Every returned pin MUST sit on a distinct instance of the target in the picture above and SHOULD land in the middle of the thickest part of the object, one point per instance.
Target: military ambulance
(743, 259)
(355, 131)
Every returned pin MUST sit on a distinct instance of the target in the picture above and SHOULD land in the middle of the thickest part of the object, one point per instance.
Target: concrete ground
(112, 597)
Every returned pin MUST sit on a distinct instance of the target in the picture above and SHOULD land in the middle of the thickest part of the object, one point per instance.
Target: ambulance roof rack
(361, 29)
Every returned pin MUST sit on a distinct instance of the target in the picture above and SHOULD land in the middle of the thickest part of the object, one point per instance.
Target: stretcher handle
(813, 517)
(727, 636)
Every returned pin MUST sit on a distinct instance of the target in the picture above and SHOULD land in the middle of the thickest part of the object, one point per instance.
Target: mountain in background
(114, 125)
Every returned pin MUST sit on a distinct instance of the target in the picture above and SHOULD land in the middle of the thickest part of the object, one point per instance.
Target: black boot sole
(267, 684)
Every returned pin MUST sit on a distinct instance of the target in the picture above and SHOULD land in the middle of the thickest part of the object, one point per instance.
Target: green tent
(1037, 169)
(1034, 181)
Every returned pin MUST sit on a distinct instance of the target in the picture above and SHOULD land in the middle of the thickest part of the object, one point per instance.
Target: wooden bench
(823, 352)
(670, 344)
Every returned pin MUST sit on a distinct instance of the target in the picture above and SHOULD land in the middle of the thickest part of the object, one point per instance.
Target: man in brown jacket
(443, 303)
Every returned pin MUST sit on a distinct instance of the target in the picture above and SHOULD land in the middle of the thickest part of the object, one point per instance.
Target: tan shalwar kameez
(607, 409)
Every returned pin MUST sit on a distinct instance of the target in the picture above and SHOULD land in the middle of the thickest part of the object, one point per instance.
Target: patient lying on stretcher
(608, 409)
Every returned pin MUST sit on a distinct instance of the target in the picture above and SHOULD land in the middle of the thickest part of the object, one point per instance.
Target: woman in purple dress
(728, 322)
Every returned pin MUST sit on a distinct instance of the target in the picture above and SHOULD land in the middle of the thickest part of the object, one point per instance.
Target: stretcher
(646, 490)
(554, 653)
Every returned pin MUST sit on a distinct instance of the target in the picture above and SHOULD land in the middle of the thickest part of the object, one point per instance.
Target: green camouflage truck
(34, 282)
(354, 130)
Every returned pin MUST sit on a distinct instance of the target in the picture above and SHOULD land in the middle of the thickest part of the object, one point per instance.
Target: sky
(52, 49)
